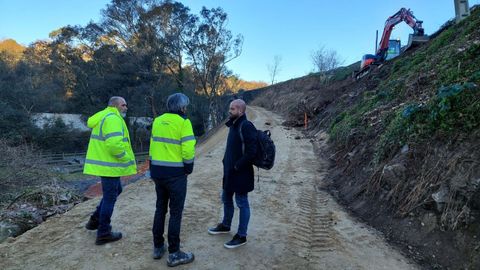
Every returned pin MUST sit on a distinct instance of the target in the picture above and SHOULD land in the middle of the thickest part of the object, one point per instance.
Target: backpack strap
(243, 150)
(241, 137)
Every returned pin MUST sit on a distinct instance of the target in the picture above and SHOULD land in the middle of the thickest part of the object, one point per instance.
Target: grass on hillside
(433, 91)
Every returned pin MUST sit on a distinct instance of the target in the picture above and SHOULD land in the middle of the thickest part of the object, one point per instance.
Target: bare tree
(274, 67)
(167, 27)
(120, 22)
(210, 47)
(325, 60)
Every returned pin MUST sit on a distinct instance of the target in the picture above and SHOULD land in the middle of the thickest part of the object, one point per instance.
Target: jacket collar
(181, 114)
(95, 119)
(111, 109)
(237, 121)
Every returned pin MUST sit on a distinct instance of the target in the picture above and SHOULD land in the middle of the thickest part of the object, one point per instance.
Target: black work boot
(112, 237)
(179, 257)
(92, 224)
(158, 252)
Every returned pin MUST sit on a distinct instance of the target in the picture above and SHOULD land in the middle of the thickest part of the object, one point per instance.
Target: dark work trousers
(111, 188)
(170, 192)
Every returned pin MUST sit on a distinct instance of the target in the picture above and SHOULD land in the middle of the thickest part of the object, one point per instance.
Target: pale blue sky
(291, 29)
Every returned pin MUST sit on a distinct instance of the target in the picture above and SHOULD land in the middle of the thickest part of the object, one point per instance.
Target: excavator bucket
(415, 40)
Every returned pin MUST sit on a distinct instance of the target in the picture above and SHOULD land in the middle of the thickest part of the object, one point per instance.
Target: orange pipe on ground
(95, 190)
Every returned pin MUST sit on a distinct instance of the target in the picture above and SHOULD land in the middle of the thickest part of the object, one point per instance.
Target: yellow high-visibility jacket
(172, 146)
(109, 151)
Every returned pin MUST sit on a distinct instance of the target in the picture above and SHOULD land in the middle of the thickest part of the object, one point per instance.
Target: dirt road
(294, 225)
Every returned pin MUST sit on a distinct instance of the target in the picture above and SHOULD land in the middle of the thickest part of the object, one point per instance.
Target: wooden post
(306, 121)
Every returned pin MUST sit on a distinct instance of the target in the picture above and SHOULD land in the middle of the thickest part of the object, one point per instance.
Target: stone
(394, 173)
(405, 149)
(440, 197)
(65, 197)
(7, 230)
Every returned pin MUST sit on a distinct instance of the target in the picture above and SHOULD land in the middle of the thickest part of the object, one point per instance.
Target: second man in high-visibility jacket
(172, 151)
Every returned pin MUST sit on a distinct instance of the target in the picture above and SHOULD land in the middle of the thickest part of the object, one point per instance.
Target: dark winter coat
(237, 166)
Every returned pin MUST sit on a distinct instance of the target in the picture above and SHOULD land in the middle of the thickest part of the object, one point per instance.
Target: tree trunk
(152, 105)
(212, 119)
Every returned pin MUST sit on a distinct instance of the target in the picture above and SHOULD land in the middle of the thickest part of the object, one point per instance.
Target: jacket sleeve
(249, 133)
(113, 133)
(188, 146)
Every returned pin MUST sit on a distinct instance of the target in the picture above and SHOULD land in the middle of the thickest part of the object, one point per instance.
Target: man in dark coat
(238, 178)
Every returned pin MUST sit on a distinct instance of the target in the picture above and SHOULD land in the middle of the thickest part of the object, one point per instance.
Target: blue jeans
(111, 188)
(242, 203)
(170, 192)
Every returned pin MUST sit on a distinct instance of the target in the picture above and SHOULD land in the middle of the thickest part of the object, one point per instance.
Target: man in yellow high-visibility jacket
(172, 150)
(109, 156)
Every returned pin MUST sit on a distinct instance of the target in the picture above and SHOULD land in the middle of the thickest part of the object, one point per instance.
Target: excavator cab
(394, 49)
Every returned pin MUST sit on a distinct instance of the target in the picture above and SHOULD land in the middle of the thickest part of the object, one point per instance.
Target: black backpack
(265, 157)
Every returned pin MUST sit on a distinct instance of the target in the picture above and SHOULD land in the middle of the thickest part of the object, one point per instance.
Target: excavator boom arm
(402, 15)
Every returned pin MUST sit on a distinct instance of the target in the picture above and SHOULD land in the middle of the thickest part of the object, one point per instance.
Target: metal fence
(73, 162)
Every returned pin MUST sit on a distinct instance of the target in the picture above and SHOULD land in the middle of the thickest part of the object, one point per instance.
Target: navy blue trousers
(171, 193)
(111, 188)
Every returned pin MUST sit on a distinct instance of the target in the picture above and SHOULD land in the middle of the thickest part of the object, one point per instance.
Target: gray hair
(115, 100)
(177, 102)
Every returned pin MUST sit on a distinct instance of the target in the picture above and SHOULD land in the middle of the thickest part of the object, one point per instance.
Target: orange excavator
(387, 48)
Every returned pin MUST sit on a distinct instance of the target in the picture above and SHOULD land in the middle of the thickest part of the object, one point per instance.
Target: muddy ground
(294, 224)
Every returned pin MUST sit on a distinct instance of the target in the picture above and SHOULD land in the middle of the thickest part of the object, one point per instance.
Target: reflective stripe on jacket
(109, 151)
(172, 146)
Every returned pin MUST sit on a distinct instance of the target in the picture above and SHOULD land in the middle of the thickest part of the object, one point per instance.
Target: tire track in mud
(313, 232)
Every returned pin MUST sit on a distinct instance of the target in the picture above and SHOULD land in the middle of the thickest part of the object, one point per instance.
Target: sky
(290, 29)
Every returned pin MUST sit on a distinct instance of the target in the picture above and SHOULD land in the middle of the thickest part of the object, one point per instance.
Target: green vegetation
(342, 73)
(453, 110)
(354, 118)
(168, 50)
